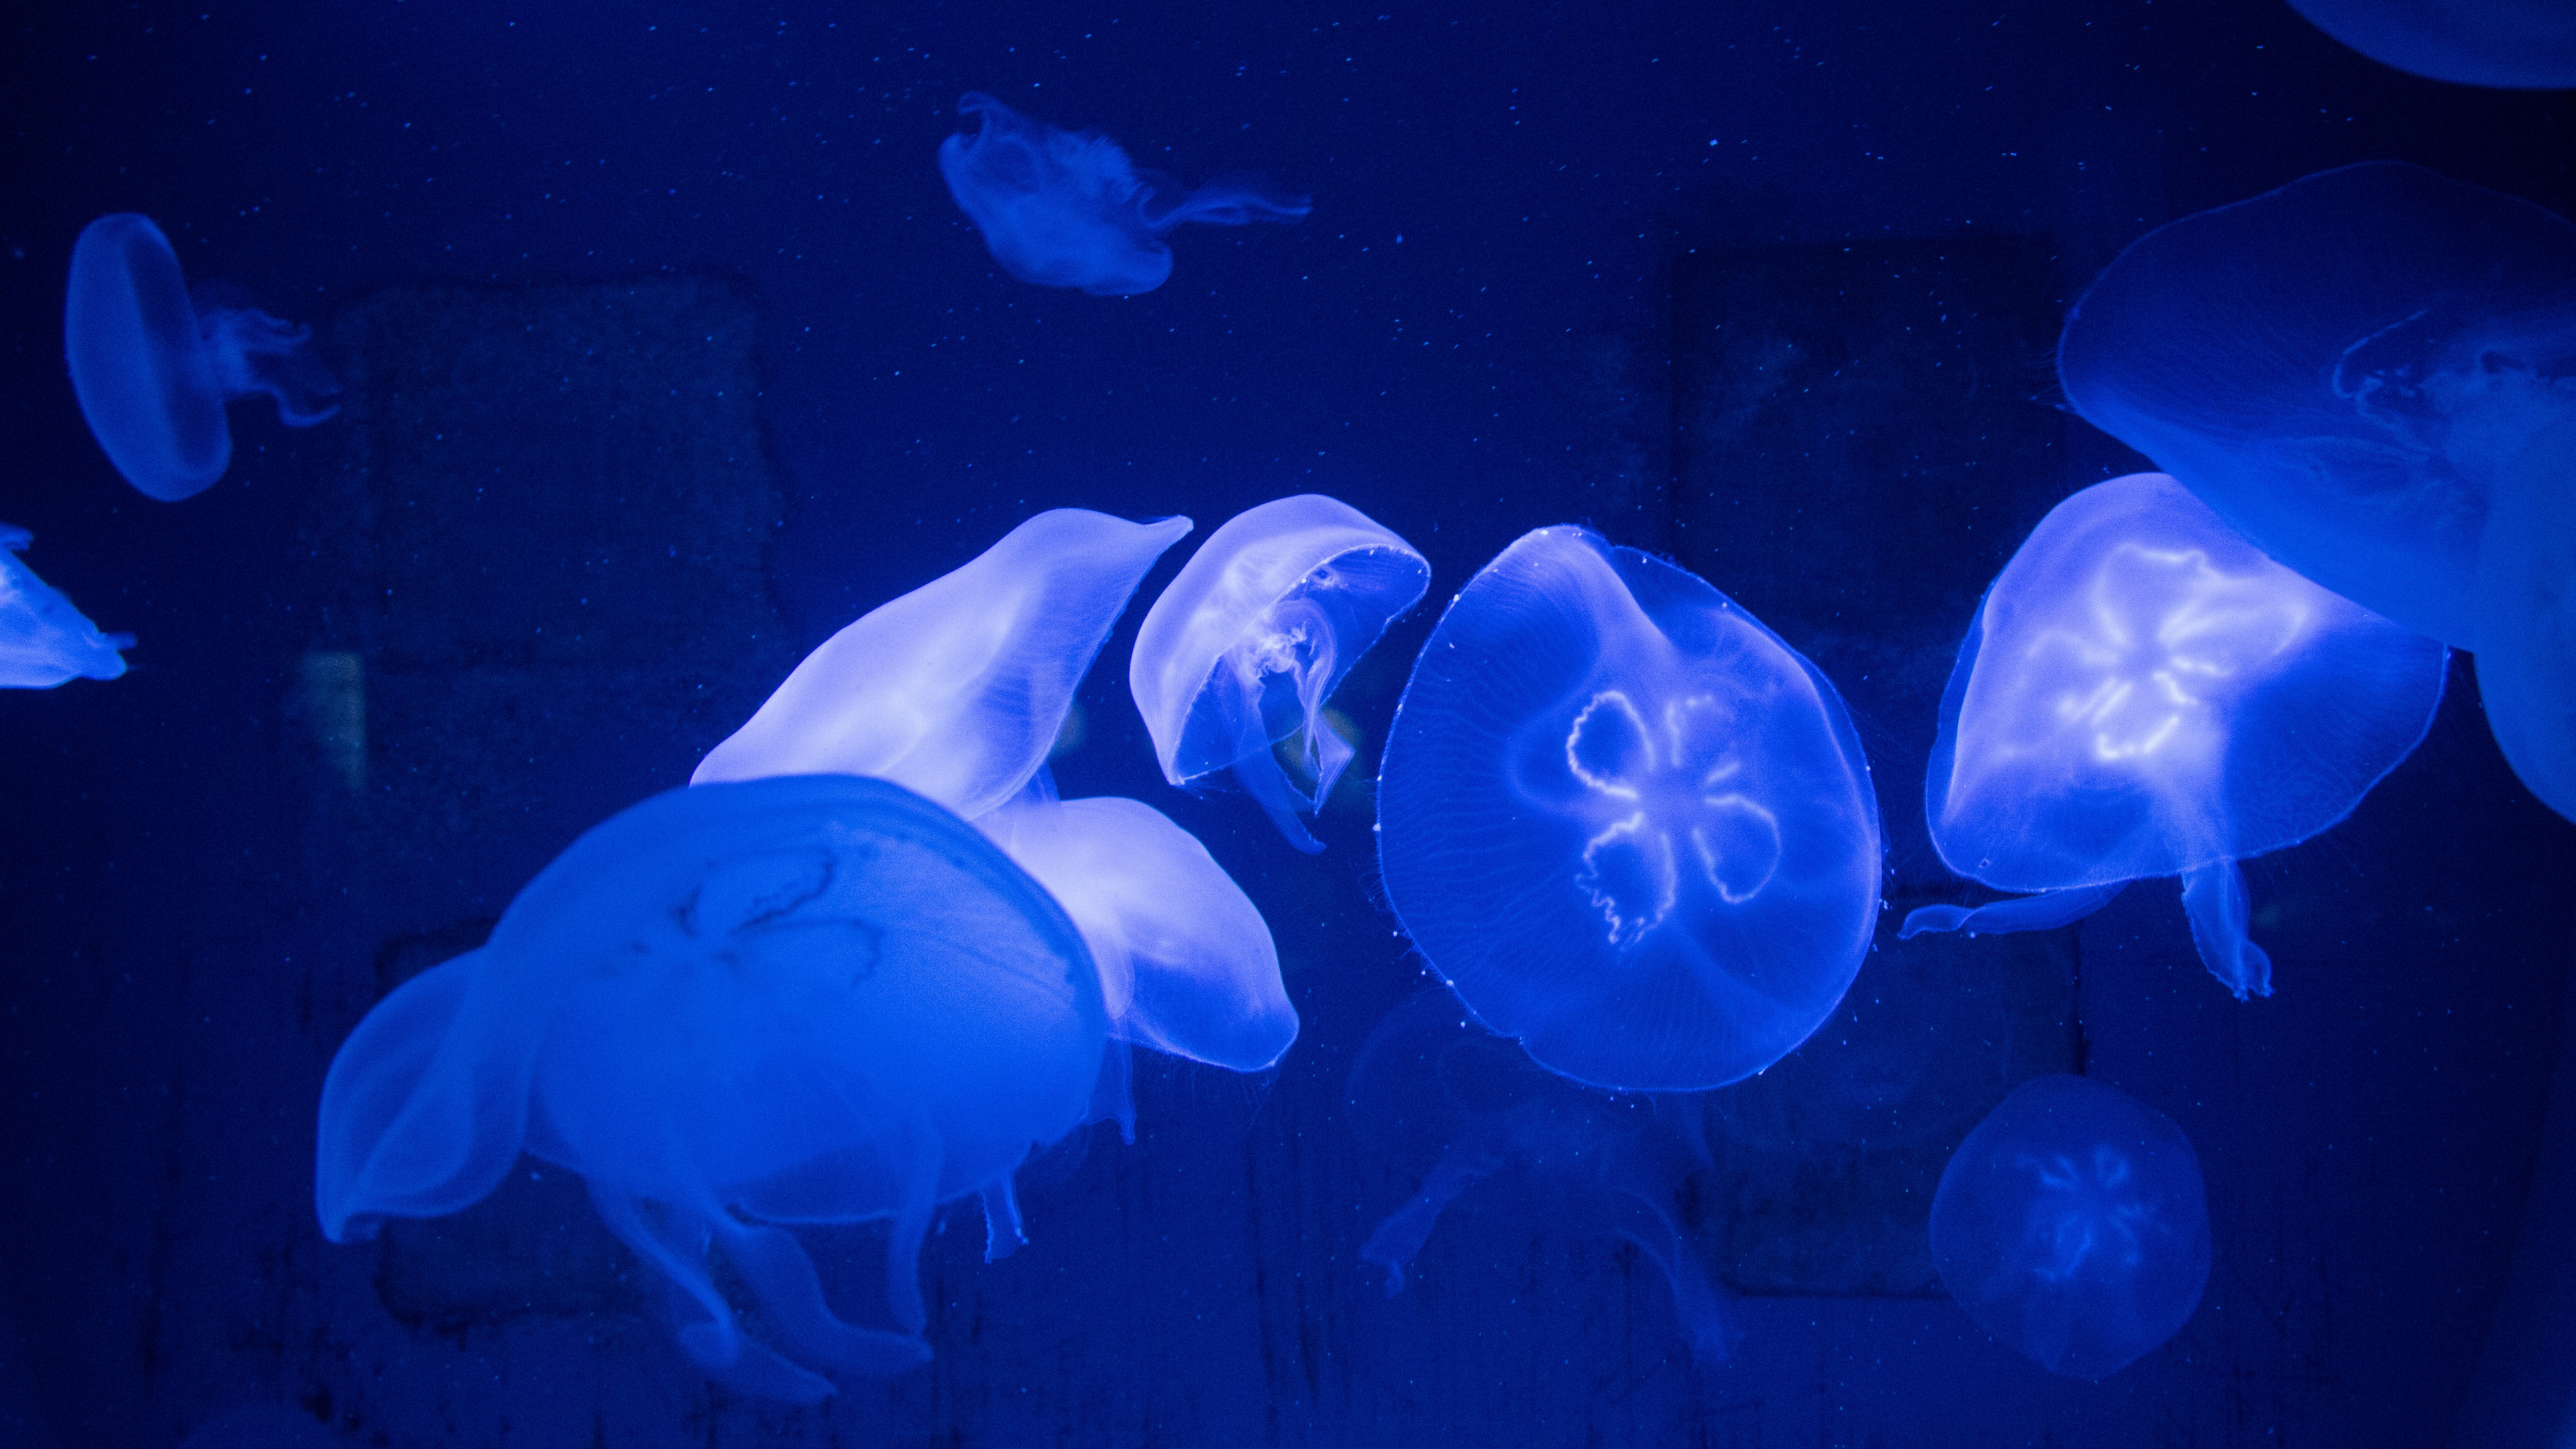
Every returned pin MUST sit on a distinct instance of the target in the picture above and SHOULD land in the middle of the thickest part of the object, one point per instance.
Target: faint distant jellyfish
(734, 1009)
(153, 370)
(1251, 638)
(2073, 1225)
(2511, 44)
(1630, 826)
(957, 689)
(1450, 1105)
(43, 639)
(1067, 209)
(2144, 693)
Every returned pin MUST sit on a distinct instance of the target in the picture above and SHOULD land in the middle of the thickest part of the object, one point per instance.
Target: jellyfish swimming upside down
(733, 1009)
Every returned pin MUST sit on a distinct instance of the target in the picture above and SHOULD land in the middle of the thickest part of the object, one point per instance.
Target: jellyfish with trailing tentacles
(152, 367)
(735, 1009)
(1248, 641)
(2511, 44)
(43, 639)
(2143, 693)
(1449, 1105)
(2073, 1225)
(1068, 209)
(2370, 373)
(1629, 825)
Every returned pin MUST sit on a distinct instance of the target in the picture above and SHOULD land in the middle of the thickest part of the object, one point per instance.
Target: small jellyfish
(1067, 209)
(153, 369)
(1630, 826)
(43, 639)
(2072, 1224)
(1449, 1105)
(957, 689)
(2143, 693)
(735, 1009)
(1251, 638)
(2509, 44)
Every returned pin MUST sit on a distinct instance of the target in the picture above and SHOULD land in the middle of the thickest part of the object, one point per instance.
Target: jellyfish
(1452, 1105)
(2072, 1224)
(153, 369)
(1247, 643)
(957, 689)
(1067, 209)
(1625, 822)
(43, 639)
(2510, 44)
(2143, 693)
(734, 1009)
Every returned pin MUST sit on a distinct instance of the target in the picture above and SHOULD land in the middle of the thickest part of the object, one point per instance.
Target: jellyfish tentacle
(782, 1277)
(918, 1175)
(1403, 1232)
(1003, 1233)
(2042, 912)
(2213, 898)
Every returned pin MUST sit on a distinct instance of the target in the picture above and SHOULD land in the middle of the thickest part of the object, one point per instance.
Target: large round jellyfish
(732, 1009)
(2144, 693)
(1247, 643)
(1630, 826)
(2072, 1224)
(43, 639)
(1449, 1105)
(957, 689)
(2512, 44)
(153, 370)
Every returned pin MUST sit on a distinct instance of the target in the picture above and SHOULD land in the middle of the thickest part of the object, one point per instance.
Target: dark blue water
(673, 309)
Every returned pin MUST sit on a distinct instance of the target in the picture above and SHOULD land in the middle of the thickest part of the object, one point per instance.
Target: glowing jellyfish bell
(2144, 693)
(1254, 634)
(735, 1009)
(2510, 44)
(152, 368)
(1626, 823)
(2072, 1224)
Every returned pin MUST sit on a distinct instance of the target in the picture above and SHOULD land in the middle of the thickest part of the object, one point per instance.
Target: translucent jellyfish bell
(957, 689)
(1254, 634)
(2512, 44)
(1067, 209)
(43, 639)
(2144, 693)
(734, 1009)
(2073, 1225)
(152, 369)
(1629, 825)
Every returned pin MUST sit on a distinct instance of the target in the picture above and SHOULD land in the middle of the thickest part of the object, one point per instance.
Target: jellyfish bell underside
(2508, 44)
(1628, 825)
(43, 639)
(1068, 209)
(2143, 693)
(1244, 646)
(735, 1009)
(152, 370)
(2072, 1224)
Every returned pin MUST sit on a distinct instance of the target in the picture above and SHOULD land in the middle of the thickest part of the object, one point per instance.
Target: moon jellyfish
(2511, 44)
(43, 639)
(1068, 209)
(153, 370)
(1625, 822)
(2144, 693)
(1251, 638)
(1450, 1105)
(956, 690)
(735, 1009)
(2072, 1224)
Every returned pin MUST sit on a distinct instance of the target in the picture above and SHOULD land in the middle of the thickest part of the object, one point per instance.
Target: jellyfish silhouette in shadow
(735, 1009)
(152, 369)
(43, 639)
(2510, 44)
(1443, 1102)
(1068, 209)
(2144, 693)
(1248, 641)
(2073, 1225)
(1625, 822)
(2370, 373)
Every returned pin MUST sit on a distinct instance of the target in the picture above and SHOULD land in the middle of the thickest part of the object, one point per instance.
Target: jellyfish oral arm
(2213, 897)
(2042, 912)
